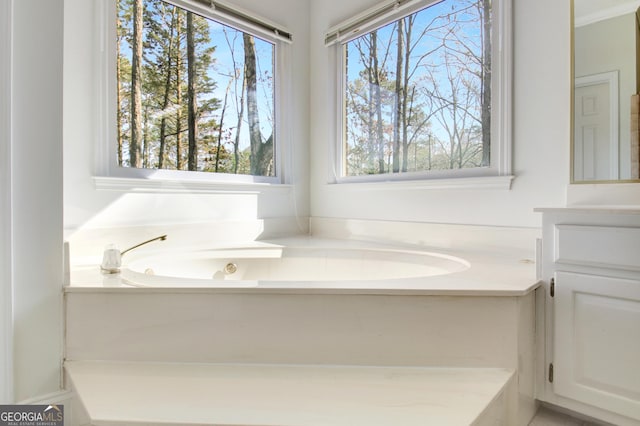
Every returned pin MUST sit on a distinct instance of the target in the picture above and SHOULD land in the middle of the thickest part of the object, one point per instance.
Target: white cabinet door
(597, 341)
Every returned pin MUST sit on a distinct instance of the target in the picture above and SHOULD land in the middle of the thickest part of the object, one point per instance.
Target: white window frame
(6, 221)
(110, 176)
(499, 173)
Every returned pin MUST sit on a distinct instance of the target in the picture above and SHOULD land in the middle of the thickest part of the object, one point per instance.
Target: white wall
(87, 207)
(541, 130)
(36, 196)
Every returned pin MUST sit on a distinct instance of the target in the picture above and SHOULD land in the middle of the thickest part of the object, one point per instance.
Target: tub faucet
(160, 238)
(112, 257)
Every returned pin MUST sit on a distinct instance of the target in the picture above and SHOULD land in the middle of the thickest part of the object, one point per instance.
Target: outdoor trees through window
(417, 92)
(192, 94)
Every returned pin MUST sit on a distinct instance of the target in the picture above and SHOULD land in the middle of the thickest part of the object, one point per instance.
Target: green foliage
(163, 81)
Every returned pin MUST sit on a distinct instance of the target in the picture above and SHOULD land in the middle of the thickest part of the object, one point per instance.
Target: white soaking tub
(305, 262)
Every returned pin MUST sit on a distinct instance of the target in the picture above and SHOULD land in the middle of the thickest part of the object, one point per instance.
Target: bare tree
(457, 115)
(261, 152)
(192, 107)
(239, 101)
(168, 70)
(179, 69)
(406, 111)
(119, 84)
(400, 94)
(378, 99)
(365, 102)
(432, 100)
(136, 83)
(485, 11)
(473, 55)
(146, 144)
(221, 125)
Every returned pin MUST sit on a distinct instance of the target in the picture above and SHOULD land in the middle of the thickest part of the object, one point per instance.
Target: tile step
(126, 393)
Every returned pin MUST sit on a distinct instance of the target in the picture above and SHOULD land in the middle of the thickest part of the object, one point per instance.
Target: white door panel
(596, 127)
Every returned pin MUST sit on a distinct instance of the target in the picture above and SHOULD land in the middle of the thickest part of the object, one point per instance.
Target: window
(420, 91)
(196, 87)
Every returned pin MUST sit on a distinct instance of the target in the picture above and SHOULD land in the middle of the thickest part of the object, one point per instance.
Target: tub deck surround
(233, 394)
(478, 317)
(473, 271)
(174, 326)
(87, 243)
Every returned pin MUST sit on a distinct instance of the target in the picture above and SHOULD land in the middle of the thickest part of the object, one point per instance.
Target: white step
(125, 393)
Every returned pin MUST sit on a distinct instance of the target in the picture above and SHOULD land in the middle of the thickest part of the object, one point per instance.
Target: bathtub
(307, 262)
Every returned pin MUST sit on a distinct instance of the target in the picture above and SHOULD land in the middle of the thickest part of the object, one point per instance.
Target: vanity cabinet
(591, 271)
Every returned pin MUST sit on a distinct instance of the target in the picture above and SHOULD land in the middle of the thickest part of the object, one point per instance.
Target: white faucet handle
(111, 260)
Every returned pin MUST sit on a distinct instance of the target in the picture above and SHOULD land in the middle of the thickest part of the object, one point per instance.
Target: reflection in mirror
(606, 101)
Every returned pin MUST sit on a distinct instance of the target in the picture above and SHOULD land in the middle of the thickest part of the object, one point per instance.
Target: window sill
(480, 182)
(169, 186)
